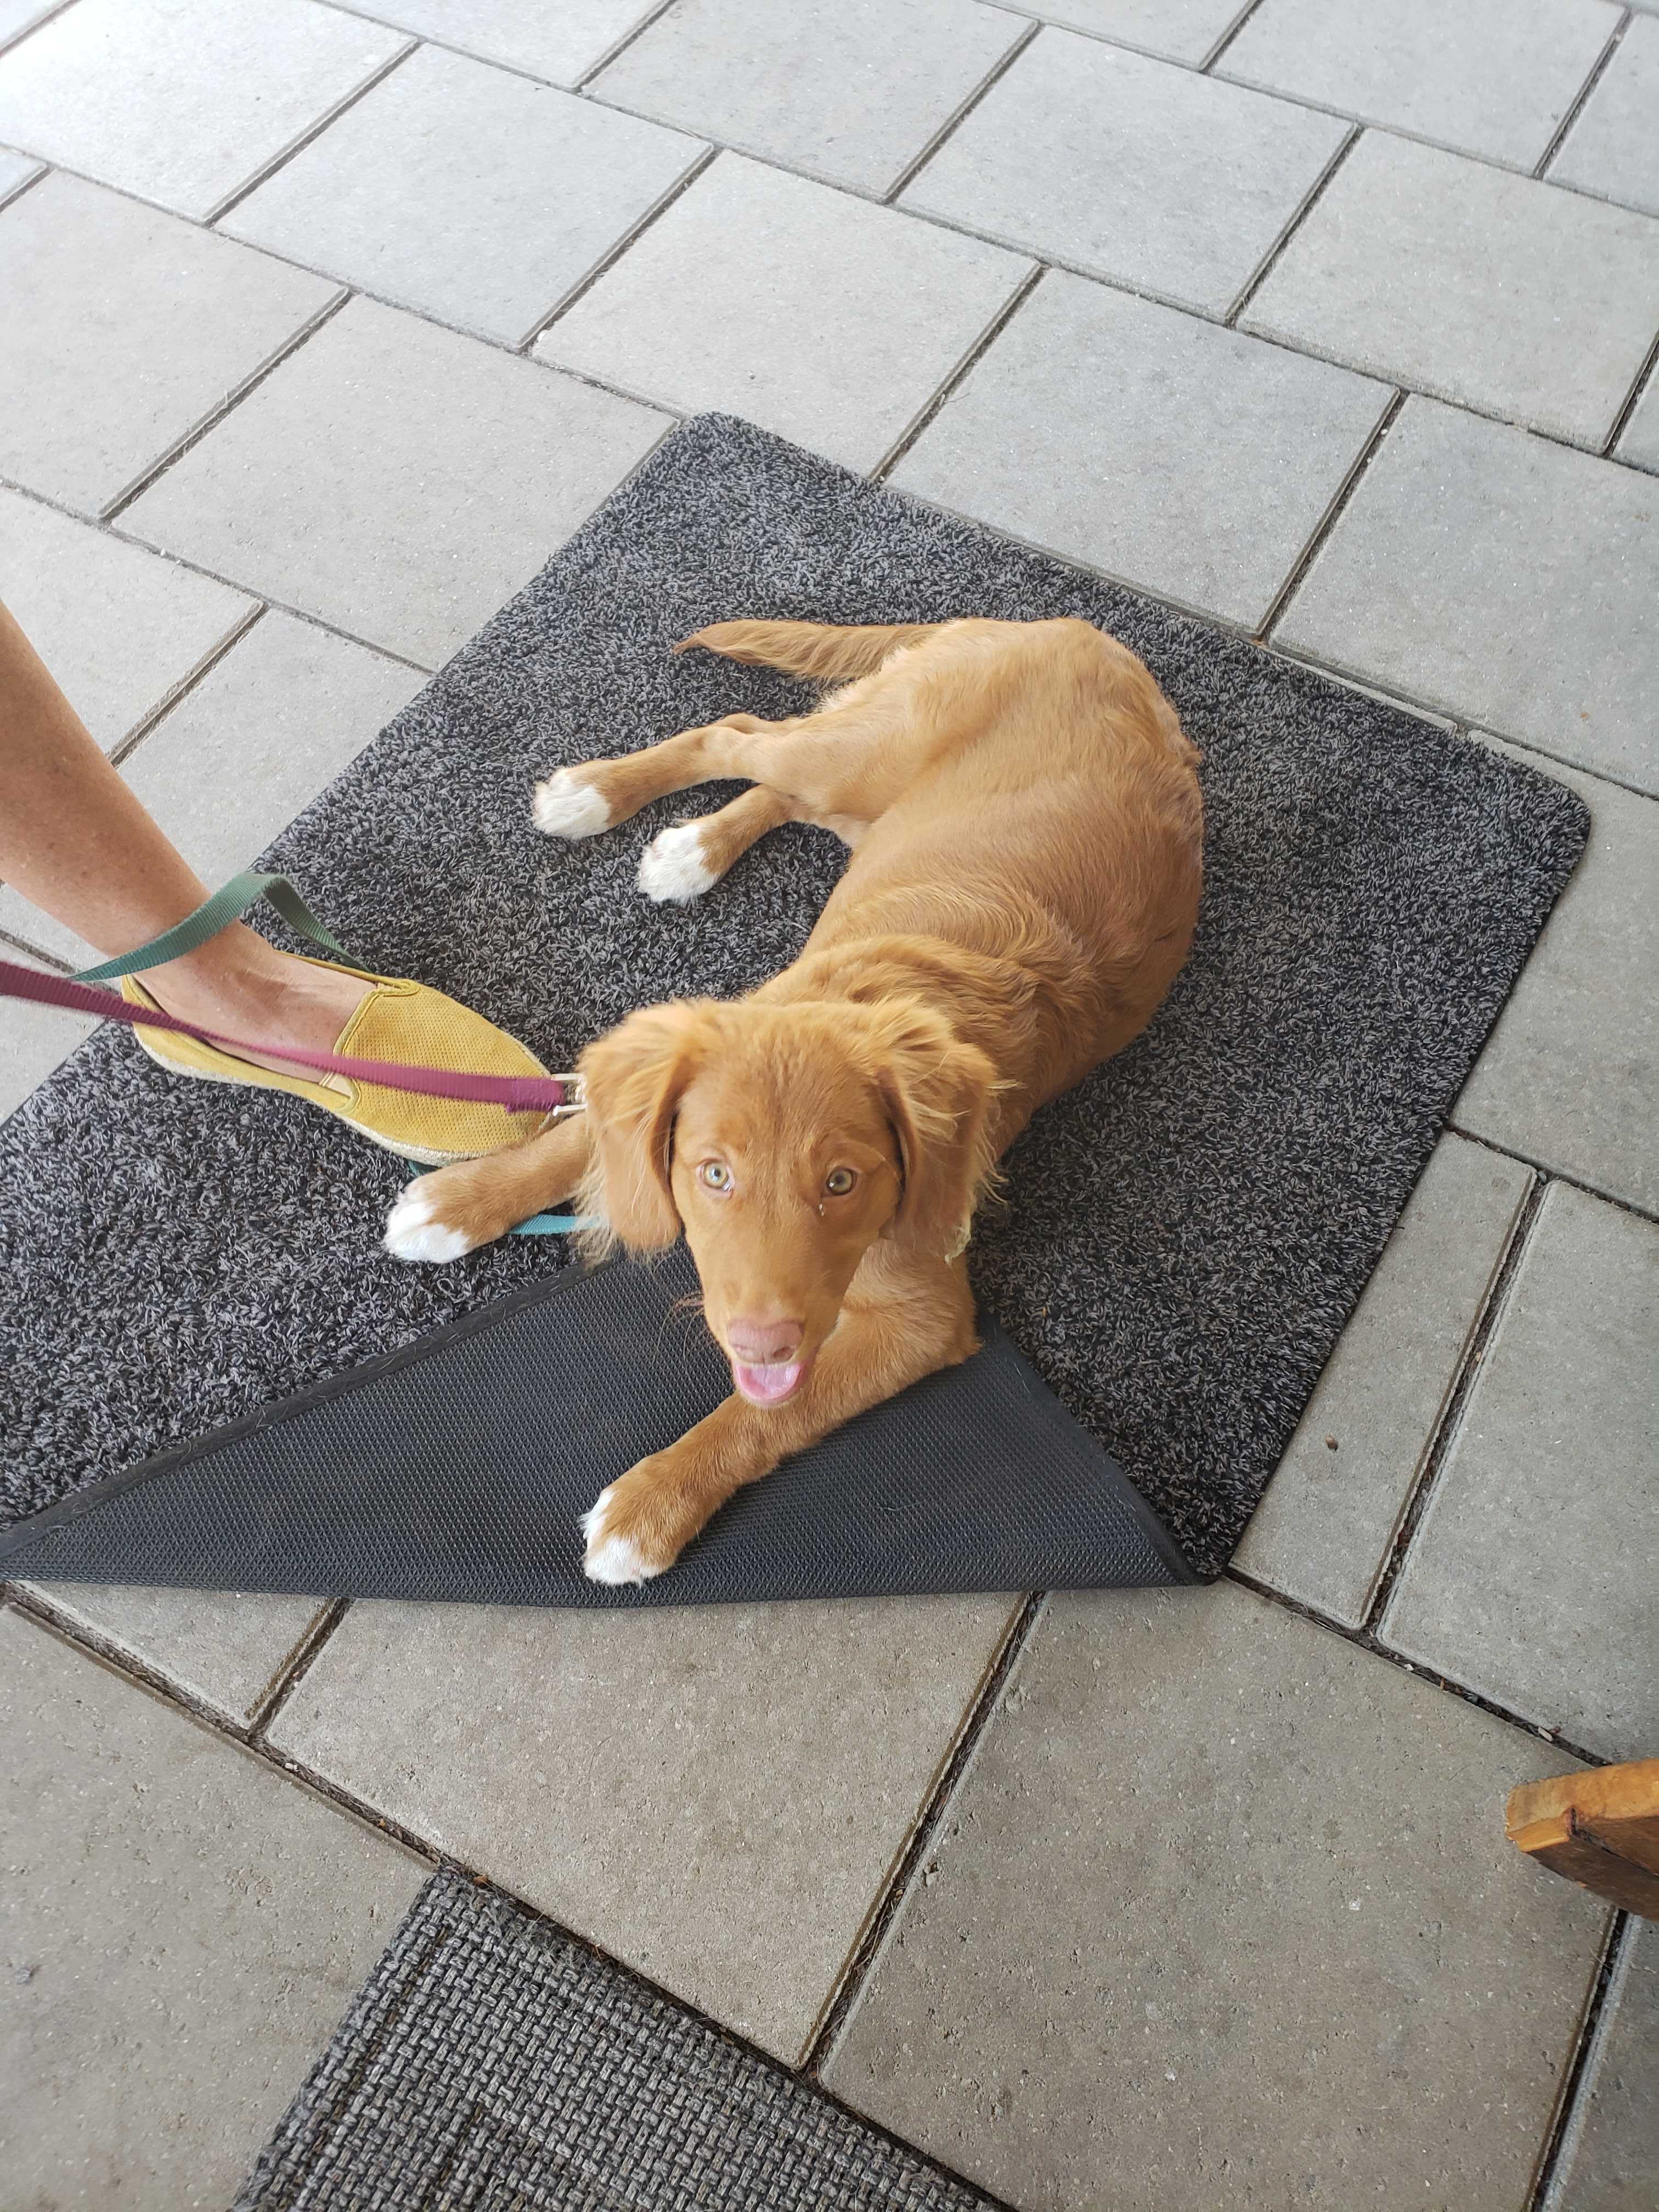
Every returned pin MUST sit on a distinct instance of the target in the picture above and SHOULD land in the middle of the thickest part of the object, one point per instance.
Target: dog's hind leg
(580, 802)
(681, 863)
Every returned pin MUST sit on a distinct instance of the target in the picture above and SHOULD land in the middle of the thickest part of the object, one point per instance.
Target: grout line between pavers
(1363, 1640)
(14, 192)
(39, 24)
(28, 1604)
(956, 377)
(652, 16)
(1320, 537)
(1439, 713)
(1275, 253)
(1632, 401)
(1448, 1427)
(513, 349)
(58, 967)
(1631, 1205)
(1300, 350)
(1227, 38)
(952, 123)
(216, 576)
(295, 1664)
(1233, 626)
(888, 1901)
(112, 509)
(1463, 718)
(1567, 2122)
(582, 86)
(182, 690)
(36, 1603)
(700, 166)
(312, 131)
(1576, 105)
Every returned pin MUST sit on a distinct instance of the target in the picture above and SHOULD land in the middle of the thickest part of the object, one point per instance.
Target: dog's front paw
(672, 867)
(638, 1527)
(566, 806)
(415, 1228)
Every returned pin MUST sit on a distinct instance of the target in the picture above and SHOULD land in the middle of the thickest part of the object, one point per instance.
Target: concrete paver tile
(714, 1794)
(1505, 581)
(397, 480)
(473, 194)
(1179, 30)
(1611, 2152)
(1224, 1913)
(1488, 76)
(223, 1648)
(182, 101)
(558, 40)
(1530, 1576)
(851, 93)
(1472, 283)
(1129, 169)
(810, 311)
(264, 730)
(118, 629)
(183, 1929)
(1613, 150)
(1175, 454)
(1323, 1532)
(1567, 1075)
(124, 329)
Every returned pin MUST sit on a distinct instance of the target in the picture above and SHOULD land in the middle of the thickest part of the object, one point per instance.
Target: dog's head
(784, 1140)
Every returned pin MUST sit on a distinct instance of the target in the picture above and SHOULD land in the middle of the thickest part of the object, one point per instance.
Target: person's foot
(260, 995)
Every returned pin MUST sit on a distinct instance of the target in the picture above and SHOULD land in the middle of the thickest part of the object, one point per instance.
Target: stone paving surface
(183, 1929)
(1190, 1928)
(322, 325)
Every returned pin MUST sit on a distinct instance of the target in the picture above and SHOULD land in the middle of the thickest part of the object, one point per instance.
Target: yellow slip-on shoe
(397, 1021)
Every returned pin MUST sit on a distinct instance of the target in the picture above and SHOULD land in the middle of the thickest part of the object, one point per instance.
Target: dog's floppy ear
(937, 1091)
(635, 1077)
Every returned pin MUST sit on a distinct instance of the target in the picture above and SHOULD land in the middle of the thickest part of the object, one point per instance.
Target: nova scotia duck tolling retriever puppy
(1024, 817)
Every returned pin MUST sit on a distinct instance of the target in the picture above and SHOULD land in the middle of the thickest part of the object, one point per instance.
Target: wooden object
(1600, 1827)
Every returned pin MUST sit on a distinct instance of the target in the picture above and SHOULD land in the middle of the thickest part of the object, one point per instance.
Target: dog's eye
(839, 1181)
(716, 1175)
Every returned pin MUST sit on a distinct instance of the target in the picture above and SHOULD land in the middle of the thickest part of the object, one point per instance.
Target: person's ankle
(263, 996)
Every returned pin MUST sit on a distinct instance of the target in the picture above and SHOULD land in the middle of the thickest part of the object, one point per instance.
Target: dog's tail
(835, 653)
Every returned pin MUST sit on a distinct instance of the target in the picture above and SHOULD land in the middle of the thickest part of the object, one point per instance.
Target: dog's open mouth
(770, 1385)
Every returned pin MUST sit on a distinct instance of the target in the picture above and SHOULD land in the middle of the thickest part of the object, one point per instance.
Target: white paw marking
(411, 1233)
(672, 867)
(612, 1560)
(566, 808)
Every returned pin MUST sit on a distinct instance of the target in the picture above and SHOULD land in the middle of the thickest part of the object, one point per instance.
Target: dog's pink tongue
(768, 1384)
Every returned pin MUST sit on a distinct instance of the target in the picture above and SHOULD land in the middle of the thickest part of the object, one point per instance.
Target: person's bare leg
(75, 842)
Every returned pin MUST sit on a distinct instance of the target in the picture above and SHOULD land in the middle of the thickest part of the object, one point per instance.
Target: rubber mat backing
(458, 1469)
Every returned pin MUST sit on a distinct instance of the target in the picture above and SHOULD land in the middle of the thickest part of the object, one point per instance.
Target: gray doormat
(1186, 1232)
(489, 2064)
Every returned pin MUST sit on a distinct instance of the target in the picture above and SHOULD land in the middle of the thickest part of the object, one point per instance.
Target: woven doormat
(491, 2063)
(1186, 1232)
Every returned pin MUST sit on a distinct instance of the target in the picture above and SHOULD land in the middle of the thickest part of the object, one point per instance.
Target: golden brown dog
(1025, 825)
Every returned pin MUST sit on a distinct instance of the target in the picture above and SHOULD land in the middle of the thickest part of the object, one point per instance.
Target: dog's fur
(1024, 815)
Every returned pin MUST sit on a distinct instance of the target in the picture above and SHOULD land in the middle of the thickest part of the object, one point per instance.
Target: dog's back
(1042, 797)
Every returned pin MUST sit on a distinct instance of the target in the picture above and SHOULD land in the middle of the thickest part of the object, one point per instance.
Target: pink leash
(535, 1093)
